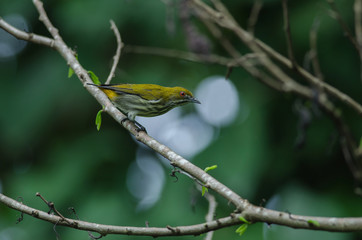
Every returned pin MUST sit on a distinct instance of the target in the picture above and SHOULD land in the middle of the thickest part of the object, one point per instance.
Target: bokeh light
(187, 135)
(145, 179)
(220, 101)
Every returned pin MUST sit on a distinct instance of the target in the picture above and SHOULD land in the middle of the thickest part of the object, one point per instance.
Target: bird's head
(180, 96)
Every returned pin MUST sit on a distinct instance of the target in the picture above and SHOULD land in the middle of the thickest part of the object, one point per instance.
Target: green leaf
(360, 143)
(244, 220)
(70, 72)
(241, 230)
(99, 119)
(204, 190)
(314, 223)
(94, 78)
(210, 168)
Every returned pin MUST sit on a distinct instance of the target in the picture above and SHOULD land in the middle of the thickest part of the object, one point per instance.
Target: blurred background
(275, 150)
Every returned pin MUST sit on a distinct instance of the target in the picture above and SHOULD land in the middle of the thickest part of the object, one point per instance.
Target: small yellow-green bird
(146, 100)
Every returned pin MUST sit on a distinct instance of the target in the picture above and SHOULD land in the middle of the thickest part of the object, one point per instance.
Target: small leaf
(94, 78)
(360, 143)
(70, 72)
(204, 190)
(99, 119)
(314, 223)
(210, 168)
(244, 220)
(241, 230)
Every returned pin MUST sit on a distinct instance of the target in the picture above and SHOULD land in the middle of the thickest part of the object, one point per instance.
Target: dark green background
(49, 143)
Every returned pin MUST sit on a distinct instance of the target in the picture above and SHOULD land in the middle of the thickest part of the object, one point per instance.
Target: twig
(44, 18)
(358, 21)
(174, 158)
(90, 234)
(207, 12)
(249, 211)
(254, 15)
(176, 170)
(355, 170)
(196, 229)
(189, 56)
(358, 29)
(210, 213)
(269, 81)
(289, 85)
(31, 37)
(279, 80)
(288, 34)
(221, 19)
(118, 52)
(337, 15)
(52, 208)
(253, 213)
(313, 50)
(55, 231)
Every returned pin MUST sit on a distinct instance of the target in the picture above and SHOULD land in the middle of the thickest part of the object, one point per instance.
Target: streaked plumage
(146, 100)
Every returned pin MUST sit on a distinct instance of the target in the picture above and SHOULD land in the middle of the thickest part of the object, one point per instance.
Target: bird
(145, 100)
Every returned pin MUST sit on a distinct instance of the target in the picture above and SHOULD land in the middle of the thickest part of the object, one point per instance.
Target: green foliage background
(49, 143)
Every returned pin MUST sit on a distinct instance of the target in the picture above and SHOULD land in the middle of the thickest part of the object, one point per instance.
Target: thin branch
(358, 29)
(269, 81)
(248, 211)
(284, 82)
(312, 79)
(30, 37)
(118, 52)
(221, 8)
(289, 85)
(337, 15)
(52, 208)
(288, 34)
(251, 42)
(358, 21)
(90, 234)
(313, 50)
(44, 18)
(254, 15)
(196, 229)
(189, 56)
(252, 213)
(222, 19)
(175, 159)
(357, 175)
(211, 212)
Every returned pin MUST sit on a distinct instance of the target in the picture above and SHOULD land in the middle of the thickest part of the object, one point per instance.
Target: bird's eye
(182, 94)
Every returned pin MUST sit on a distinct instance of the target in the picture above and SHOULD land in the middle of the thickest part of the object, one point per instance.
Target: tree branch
(189, 56)
(118, 52)
(313, 53)
(243, 207)
(259, 47)
(358, 29)
(252, 213)
(254, 15)
(288, 35)
(30, 37)
(337, 15)
(196, 229)
(211, 212)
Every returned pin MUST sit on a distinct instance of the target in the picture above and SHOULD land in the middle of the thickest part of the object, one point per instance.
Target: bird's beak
(194, 100)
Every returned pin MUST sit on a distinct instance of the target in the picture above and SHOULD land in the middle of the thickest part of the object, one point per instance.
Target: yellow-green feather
(146, 100)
